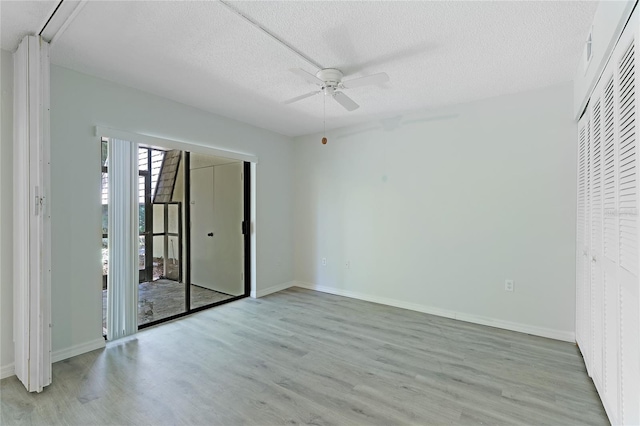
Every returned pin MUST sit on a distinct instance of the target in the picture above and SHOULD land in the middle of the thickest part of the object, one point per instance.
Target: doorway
(194, 243)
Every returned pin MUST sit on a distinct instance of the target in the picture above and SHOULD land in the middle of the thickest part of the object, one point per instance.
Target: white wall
(380, 198)
(434, 214)
(78, 103)
(608, 23)
(6, 217)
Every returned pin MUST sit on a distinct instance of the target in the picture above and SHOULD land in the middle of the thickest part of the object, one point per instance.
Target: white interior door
(202, 270)
(228, 255)
(217, 211)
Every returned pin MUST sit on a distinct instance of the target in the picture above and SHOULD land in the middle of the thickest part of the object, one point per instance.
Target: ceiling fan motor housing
(331, 77)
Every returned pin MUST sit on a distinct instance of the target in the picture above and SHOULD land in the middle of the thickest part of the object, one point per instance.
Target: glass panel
(143, 159)
(158, 257)
(105, 202)
(105, 150)
(141, 252)
(141, 189)
(104, 198)
(158, 219)
(141, 219)
(173, 259)
(105, 272)
(157, 156)
(105, 257)
(201, 296)
(156, 163)
(174, 212)
(104, 311)
(141, 207)
(105, 219)
(162, 297)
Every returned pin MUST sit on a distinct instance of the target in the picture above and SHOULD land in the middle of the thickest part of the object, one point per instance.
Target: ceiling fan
(330, 83)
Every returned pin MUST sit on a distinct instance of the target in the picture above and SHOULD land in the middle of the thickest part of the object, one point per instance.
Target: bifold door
(607, 289)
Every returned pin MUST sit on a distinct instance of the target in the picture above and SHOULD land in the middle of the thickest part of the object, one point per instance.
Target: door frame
(250, 179)
(245, 229)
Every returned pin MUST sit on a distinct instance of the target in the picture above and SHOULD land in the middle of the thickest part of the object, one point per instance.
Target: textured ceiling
(21, 18)
(435, 53)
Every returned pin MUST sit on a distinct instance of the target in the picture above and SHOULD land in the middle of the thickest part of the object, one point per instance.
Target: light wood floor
(300, 356)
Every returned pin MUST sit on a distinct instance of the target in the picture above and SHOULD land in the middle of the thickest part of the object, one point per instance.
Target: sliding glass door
(193, 236)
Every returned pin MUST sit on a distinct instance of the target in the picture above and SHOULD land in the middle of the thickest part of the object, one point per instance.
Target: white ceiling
(204, 55)
(21, 18)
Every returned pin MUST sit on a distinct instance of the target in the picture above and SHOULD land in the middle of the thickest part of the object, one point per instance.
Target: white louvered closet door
(609, 388)
(586, 235)
(608, 259)
(581, 245)
(596, 298)
(627, 188)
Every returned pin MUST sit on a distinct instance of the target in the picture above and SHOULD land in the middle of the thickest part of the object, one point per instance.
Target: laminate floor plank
(303, 357)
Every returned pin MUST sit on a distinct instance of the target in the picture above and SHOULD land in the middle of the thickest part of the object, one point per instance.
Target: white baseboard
(273, 289)
(7, 371)
(476, 319)
(78, 349)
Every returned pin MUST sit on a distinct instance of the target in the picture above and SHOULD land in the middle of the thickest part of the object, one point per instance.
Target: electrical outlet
(348, 264)
(508, 285)
(324, 261)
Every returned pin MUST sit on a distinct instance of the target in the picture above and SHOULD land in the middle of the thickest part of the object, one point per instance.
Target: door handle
(210, 234)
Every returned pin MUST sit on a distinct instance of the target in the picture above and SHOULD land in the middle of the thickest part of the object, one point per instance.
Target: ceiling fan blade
(299, 98)
(307, 76)
(345, 101)
(367, 80)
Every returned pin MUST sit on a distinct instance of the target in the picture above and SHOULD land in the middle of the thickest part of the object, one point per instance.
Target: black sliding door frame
(148, 223)
(245, 227)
